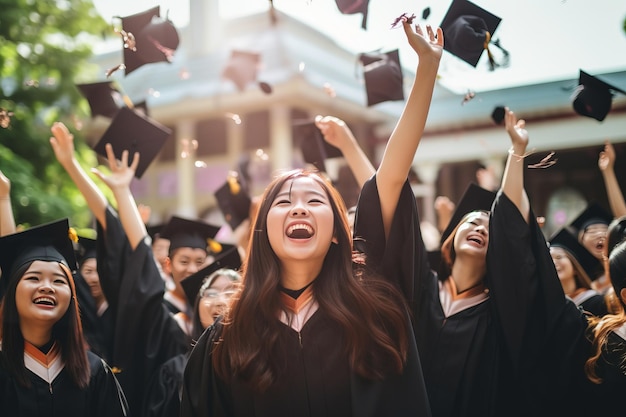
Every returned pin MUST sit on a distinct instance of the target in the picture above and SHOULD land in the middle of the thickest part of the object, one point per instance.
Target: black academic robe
(102, 398)
(162, 398)
(315, 379)
(596, 305)
(517, 353)
(98, 330)
(146, 334)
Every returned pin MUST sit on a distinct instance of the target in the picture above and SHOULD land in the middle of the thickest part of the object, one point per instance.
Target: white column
(427, 172)
(185, 169)
(281, 141)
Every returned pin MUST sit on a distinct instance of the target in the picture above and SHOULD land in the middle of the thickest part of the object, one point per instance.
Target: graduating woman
(310, 333)
(45, 369)
(495, 332)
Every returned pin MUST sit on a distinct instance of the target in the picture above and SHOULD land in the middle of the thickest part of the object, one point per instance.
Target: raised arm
(119, 183)
(400, 151)
(7, 221)
(606, 163)
(338, 134)
(62, 143)
(513, 177)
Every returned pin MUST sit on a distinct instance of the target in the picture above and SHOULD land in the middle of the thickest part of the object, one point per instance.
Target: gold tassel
(214, 245)
(71, 233)
(233, 184)
(492, 61)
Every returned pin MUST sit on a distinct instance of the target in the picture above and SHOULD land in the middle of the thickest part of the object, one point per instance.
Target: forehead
(477, 216)
(557, 250)
(302, 185)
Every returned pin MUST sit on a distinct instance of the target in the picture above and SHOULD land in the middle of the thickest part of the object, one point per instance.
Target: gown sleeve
(542, 330)
(163, 392)
(403, 259)
(145, 333)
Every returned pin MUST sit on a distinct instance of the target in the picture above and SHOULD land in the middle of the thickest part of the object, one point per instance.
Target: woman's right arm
(606, 163)
(7, 221)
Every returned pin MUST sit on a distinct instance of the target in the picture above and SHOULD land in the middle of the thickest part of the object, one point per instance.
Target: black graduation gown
(596, 305)
(146, 334)
(316, 379)
(98, 330)
(483, 360)
(102, 398)
(162, 397)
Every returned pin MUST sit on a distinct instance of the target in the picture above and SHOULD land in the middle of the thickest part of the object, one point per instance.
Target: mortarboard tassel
(214, 245)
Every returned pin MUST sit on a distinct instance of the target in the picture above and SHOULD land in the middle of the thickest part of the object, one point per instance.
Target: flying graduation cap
(383, 76)
(593, 97)
(156, 39)
(468, 29)
(354, 7)
(133, 131)
(315, 150)
(234, 201)
(242, 69)
(104, 98)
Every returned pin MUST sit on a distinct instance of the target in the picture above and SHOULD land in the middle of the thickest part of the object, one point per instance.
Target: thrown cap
(315, 150)
(234, 201)
(468, 29)
(242, 68)
(594, 213)
(475, 198)
(188, 233)
(133, 131)
(49, 242)
(156, 39)
(383, 76)
(103, 97)
(566, 240)
(353, 7)
(593, 97)
(228, 258)
(497, 115)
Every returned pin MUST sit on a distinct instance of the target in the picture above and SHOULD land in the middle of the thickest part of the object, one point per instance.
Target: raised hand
(121, 173)
(334, 130)
(5, 186)
(516, 130)
(606, 160)
(62, 144)
(429, 45)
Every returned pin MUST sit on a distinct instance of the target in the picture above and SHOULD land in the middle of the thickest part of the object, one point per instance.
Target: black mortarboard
(315, 150)
(383, 76)
(228, 258)
(187, 233)
(85, 248)
(465, 26)
(234, 201)
(566, 240)
(498, 114)
(592, 214)
(474, 198)
(353, 7)
(155, 39)
(48, 242)
(103, 97)
(131, 130)
(593, 97)
(154, 230)
(242, 68)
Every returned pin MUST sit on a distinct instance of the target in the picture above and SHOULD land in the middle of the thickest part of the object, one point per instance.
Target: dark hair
(370, 312)
(448, 253)
(581, 277)
(67, 332)
(616, 233)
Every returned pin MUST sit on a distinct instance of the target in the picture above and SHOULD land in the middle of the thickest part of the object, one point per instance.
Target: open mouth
(46, 301)
(300, 231)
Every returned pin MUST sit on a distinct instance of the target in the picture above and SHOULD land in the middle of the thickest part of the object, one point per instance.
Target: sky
(548, 40)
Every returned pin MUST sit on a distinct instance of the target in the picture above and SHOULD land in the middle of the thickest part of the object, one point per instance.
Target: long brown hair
(370, 312)
(601, 327)
(67, 332)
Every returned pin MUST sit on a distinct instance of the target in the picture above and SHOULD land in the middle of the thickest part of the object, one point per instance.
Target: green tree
(44, 46)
